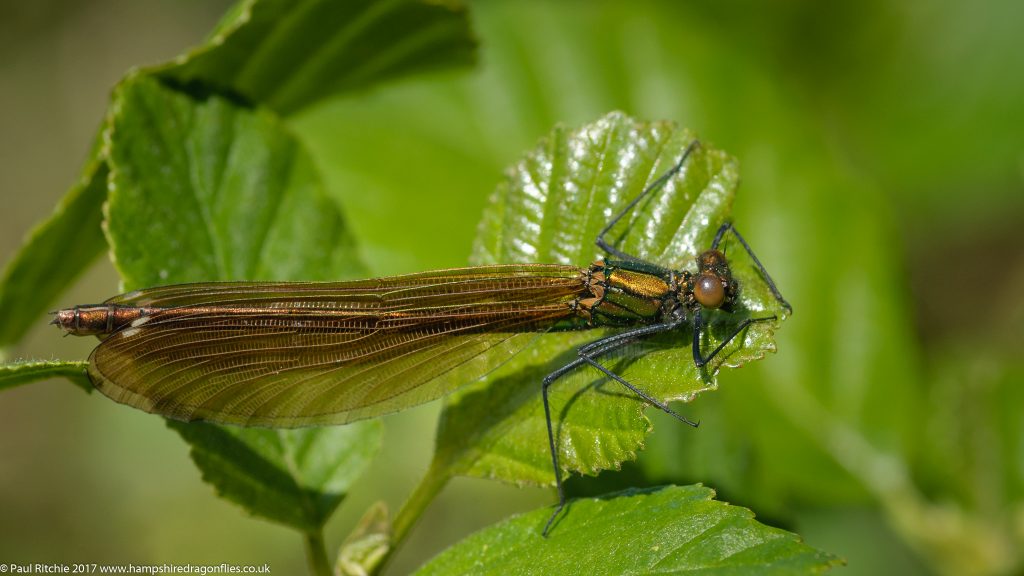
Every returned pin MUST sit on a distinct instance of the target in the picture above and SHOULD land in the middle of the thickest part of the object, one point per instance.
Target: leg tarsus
(551, 520)
(587, 353)
(548, 380)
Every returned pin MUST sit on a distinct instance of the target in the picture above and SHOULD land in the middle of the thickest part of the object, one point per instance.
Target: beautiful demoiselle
(319, 353)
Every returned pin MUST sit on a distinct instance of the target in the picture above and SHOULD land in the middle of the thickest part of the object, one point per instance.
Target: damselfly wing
(302, 354)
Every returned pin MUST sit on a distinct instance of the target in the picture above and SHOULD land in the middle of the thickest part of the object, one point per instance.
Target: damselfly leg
(728, 227)
(651, 188)
(588, 354)
(711, 287)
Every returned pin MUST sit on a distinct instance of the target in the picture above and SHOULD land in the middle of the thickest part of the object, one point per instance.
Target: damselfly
(305, 354)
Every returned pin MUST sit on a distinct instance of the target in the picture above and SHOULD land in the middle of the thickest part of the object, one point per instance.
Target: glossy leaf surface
(671, 530)
(550, 208)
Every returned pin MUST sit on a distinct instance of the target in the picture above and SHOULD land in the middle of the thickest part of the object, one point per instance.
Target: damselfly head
(709, 290)
(713, 285)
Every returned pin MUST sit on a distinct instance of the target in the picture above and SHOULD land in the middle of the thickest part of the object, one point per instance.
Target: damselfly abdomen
(303, 354)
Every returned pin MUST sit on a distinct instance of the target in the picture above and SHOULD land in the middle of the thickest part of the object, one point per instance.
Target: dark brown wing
(299, 354)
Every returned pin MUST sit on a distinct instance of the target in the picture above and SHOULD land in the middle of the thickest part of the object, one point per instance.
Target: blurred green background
(882, 156)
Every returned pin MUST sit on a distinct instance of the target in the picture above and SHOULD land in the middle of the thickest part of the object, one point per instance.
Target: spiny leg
(587, 355)
(767, 277)
(698, 325)
(657, 184)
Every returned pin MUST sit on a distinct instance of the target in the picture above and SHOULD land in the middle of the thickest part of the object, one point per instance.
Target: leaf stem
(415, 505)
(316, 553)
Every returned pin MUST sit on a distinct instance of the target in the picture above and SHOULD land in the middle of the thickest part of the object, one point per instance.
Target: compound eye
(709, 291)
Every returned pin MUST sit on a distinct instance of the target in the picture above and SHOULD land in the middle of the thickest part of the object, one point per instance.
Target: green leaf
(205, 190)
(17, 373)
(295, 477)
(287, 55)
(208, 190)
(671, 530)
(54, 253)
(839, 193)
(550, 208)
(283, 55)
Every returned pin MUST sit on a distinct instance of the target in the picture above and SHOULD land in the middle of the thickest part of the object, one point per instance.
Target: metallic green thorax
(625, 293)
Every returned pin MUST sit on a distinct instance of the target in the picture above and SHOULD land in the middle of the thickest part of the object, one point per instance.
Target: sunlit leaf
(206, 190)
(549, 209)
(671, 530)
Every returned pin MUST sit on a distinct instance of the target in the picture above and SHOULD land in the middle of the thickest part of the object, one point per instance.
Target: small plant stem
(414, 507)
(316, 553)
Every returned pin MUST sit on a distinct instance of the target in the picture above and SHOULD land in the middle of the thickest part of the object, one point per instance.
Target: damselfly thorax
(290, 354)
